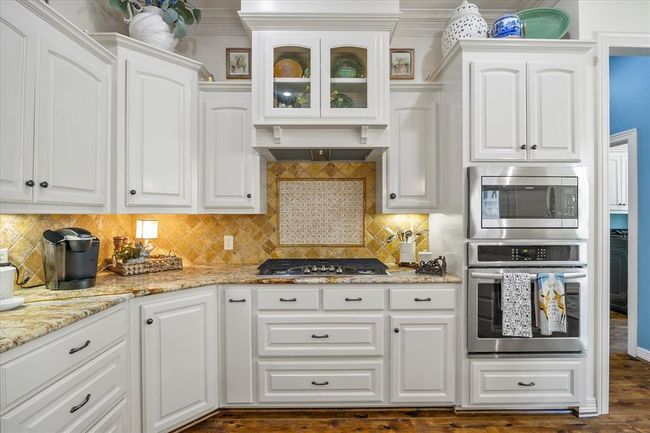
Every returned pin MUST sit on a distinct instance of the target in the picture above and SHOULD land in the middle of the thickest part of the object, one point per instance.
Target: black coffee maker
(69, 258)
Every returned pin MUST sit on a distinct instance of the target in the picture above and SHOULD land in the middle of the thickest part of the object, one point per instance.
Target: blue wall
(618, 221)
(629, 108)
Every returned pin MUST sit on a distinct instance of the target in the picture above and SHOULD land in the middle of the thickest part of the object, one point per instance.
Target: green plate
(545, 23)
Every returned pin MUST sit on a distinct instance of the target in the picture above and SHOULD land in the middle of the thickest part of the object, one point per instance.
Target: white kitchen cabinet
(528, 107)
(237, 352)
(498, 111)
(155, 129)
(618, 179)
(409, 167)
(56, 116)
(423, 358)
(317, 92)
(554, 97)
(233, 176)
(178, 358)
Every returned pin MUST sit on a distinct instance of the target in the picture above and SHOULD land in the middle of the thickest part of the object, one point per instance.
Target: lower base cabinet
(179, 358)
(422, 359)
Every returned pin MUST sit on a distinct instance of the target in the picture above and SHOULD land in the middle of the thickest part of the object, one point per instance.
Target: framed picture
(238, 63)
(402, 63)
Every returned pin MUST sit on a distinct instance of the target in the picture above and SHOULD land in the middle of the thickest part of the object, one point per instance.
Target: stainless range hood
(317, 155)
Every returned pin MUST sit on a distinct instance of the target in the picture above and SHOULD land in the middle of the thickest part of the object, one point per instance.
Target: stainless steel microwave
(528, 203)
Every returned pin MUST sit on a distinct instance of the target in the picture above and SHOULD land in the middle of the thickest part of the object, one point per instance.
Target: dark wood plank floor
(629, 413)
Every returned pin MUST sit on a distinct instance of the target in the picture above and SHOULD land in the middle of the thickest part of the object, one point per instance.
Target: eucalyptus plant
(178, 14)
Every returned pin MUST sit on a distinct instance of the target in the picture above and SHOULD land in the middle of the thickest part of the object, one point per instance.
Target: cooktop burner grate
(319, 267)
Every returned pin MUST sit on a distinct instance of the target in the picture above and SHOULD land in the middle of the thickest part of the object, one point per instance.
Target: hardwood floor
(617, 332)
(629, 413)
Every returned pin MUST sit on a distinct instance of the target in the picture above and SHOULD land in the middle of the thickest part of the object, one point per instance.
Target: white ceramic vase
(407, 252)
(148, 26)
(466, 22)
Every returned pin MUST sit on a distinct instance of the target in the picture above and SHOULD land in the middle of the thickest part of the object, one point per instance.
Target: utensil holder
(407, 252)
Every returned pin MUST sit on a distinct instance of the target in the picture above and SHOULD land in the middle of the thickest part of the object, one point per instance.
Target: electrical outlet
(228, 242)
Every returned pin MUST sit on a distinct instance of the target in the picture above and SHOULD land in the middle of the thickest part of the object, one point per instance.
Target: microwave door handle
(493, 276)
(550, 202)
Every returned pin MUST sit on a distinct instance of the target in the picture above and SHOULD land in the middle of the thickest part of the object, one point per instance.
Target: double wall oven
(526, 220)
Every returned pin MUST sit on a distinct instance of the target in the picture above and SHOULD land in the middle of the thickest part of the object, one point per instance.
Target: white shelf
(348, 80)
(291, 80)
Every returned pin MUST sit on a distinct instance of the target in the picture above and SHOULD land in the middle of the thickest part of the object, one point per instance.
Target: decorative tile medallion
(321, 211)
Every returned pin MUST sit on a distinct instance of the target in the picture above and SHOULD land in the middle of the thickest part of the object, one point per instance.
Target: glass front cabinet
(320, 77)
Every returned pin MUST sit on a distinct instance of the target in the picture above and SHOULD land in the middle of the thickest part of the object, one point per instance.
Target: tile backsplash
(199, 238)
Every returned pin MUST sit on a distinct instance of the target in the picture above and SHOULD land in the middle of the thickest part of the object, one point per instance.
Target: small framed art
(238, 63)
(402, 63)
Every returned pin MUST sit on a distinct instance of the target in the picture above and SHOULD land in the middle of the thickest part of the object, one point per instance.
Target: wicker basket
(156, 263)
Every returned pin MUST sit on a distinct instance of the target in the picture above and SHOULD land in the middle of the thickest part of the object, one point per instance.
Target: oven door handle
(491, 276)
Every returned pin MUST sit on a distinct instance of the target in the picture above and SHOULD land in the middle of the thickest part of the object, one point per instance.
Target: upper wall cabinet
(55, 114)
(156, 128)
(409, 168)
(232, 174)
(307, 77)
(525, 111)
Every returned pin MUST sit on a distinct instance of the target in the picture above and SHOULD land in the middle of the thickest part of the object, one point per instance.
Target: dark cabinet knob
(392, 195)
(396, 330)
(132, 192)
(249, 195)
(534, 147)
(149, 321)
(30, 183)
(523, 147)
(44, 184)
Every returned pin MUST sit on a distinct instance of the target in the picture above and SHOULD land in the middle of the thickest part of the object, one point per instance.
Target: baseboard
(642, 353)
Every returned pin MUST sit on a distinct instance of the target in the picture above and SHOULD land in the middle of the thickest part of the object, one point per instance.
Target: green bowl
(545, 23)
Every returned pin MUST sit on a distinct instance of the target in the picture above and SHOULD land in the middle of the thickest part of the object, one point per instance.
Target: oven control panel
(486, 253)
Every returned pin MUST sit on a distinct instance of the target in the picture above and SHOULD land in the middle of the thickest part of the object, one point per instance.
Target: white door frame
(629, 138)
(606, 42)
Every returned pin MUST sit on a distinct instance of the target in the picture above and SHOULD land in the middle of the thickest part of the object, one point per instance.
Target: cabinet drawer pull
(30, 183)
(237, 300)
(320, 336)
(77, 349)
(288, 299)
(313, 382)
(526, 384)
(353, 299)
(534, 147)
(422, 299)
(73, 409)
(44, 184)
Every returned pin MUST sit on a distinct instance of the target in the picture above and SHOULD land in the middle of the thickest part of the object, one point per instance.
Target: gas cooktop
(321, 267)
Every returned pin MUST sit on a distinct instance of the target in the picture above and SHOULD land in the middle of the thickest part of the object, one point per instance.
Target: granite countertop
(46, 310)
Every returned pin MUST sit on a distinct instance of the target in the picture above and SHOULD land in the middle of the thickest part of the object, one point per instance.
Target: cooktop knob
(339, 270)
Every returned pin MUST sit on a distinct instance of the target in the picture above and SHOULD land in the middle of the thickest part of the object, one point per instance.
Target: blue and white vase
(508, 26)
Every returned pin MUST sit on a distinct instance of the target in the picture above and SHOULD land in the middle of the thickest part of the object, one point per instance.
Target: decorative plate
(545, 23)
(287, 68)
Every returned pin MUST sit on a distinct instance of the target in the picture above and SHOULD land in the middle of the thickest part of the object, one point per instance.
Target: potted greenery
(158, 22)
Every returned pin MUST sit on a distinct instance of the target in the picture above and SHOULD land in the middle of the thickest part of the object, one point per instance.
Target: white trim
(629, 138)
(606, 41)
(642, 353)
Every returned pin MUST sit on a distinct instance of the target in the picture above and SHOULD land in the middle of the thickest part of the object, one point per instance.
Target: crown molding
(114, 41)
(428, 22)
(261, 21)
(225, 86)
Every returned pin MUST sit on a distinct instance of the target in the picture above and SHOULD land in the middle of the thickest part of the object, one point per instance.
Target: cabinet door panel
(614, 180)
(179, 355)
(159, 133)
(623, 180)
(230, 165)
(238, 346)
(17, 75)
(553, 111)
(72, 138)
(412, 159)
(498, 111)
(422, 358)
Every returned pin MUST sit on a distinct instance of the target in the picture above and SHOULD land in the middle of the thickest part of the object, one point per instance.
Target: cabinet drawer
(321, 382)
(77, 401)
(116, 421)
(320, 335)
(442, 298)
(287, 299)
(353, 299)
(35, 369)
(525, 382)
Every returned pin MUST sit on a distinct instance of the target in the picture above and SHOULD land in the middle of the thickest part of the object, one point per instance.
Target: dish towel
(551, 300)
(515, 305)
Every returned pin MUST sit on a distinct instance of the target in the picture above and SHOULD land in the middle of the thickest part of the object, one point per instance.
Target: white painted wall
(613, 16)
(91, 15)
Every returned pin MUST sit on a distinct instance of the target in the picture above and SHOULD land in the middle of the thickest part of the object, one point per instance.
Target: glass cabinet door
(292, 76)
(351, 71)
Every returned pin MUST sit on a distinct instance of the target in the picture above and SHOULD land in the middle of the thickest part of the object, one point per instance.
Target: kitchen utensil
(390, 239)
(545, 23)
